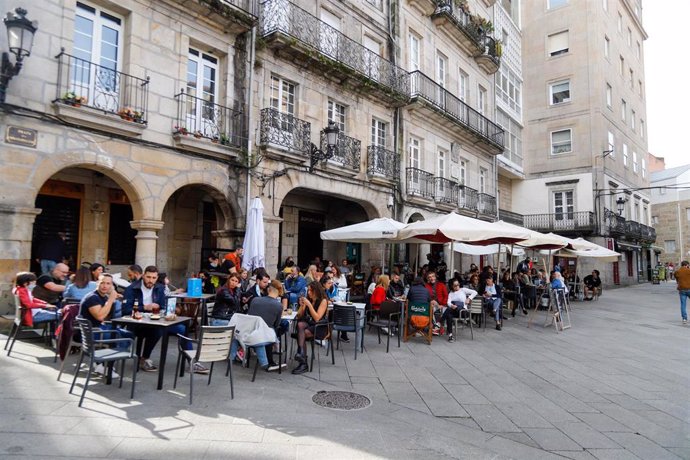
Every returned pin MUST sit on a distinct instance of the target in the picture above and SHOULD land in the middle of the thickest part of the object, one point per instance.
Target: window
(624, 109)
(629, 37)
(441, 66)
(622, 65)
(378, 4)
(563, 205)
(559, 92)
(612, 144)
(642, 129)
(336, 113)
(482, 180)
(640, 89)
(372, 61)
(558, 43)
(662, 190)
(609, 96)
(632, 120)
(687, 214)
(561, 141)
(625, 155)
(670, 245)
(636, 212)
(509, 89)
(556, 3)
(632, 79)
(202, 89)
(282, 95)
(463, 172)
(634, 162)
(481, 100)
(415, 162)
(655, 220)
(605, 5)
(98, 41)
(328, 34)
(463, 85)
(644, 168)
(441, 171)
(607, 47)
(643, 217)
(415, 47)
(513, 137)
(620, 23)
(378, 132)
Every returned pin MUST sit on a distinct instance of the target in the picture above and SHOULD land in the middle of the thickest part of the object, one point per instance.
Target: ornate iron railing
(647, 233)
(461, 18)
(468, 198)
(632, 229)
(488, 45)
(84, 83)
(615, 223)
(287, 18)
(382, 162)
(201, 118)
(347, 151)
(284, 130)
(565, 221)
(423, 87)
(511, 217)
(445, 190)
(487, 204)
(419, 183)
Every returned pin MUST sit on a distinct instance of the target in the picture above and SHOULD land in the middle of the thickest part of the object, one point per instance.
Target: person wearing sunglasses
(458, 299)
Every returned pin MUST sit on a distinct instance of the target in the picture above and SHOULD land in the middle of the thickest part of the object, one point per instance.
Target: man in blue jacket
(295, 285)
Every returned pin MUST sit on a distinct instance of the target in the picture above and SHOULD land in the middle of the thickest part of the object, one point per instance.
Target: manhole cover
(343, 400)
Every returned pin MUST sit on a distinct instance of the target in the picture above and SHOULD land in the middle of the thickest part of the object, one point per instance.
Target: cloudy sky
(667, 106)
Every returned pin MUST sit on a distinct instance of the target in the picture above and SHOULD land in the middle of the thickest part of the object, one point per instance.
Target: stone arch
(119, 171)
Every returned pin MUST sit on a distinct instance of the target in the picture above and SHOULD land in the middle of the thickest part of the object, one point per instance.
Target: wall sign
(21, 136)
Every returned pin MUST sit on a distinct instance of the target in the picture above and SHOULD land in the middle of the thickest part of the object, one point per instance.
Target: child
(36, 309)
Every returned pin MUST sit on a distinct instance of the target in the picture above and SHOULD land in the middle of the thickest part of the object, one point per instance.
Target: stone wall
(672, 225)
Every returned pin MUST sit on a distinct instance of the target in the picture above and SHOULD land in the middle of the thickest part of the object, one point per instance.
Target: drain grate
(343, 400)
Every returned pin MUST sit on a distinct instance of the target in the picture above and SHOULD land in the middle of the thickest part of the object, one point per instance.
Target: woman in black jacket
(228, 301)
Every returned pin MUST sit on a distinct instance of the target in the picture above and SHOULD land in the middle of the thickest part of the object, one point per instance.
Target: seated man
(295, 285)
(592, 285)
(270, 309)
(493, 301)
(49, 288)
(258, 289)
(396, 289)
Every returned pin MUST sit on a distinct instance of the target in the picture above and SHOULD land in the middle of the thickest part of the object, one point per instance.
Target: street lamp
(620, 205)
(316, 154)
(20, 38)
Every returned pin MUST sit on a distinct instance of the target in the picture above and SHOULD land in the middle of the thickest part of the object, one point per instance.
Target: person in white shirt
(458, 299)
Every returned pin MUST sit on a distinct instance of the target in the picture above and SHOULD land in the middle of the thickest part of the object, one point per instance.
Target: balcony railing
(382, 162)
(576, 221)
(205, 119)
(445, 190)
(647, 233)
(629, 229)
(615, 223)
(84, 83)
(423, 87)
(462, 19)
(284, 130)
(632, 229)
(468, 198)
(511, 217)
(249, 6)
(419, 183)
(487, 204)
(347, 151)
(282, 16)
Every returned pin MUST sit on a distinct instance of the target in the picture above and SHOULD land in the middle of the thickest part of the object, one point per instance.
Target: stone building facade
(671, 213)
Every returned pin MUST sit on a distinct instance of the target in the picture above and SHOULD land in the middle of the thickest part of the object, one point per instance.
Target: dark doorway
(309, 244)
(58, 214)
(122, 244)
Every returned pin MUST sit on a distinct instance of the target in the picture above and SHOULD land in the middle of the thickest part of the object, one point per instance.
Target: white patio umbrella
(254, 238)
(538, 240)
(454, 227)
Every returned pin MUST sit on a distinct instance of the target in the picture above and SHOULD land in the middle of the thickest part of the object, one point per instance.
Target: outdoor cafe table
(147, 323)
(203, 298)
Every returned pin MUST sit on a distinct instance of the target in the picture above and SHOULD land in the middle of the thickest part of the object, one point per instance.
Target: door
(329, 33)
(415, 162)
(122, 243)
(309, 243)
(284, 123)
(441, 66)
(372, 59)
(563, 210)
(58, 214)
(203, 115)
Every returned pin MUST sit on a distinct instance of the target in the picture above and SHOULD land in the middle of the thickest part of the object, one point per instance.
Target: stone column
(16, 229)
(147, 236)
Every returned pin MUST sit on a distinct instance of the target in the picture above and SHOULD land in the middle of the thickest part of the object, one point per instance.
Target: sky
(666, 23)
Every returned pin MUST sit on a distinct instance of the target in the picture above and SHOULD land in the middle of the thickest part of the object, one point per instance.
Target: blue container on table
(194, 287)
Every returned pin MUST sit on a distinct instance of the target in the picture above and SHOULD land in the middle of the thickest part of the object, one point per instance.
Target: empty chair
(213, 346)
(105, 356)
(477, 309)
(465, 318)
(345, 320)
(389, 318)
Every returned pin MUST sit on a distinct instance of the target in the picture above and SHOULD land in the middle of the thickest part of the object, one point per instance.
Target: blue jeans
(496, 304)
(260, 351)
(218, 322)
(42, 316)
(124, 333)
(684, 294)
(47, 266)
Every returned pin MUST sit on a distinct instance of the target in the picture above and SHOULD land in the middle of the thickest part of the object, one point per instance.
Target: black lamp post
(20, 38)
(620, 205)
(316, 154)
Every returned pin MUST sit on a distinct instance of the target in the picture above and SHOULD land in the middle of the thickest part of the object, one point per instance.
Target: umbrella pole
(452, 264)
(416, 262)
(498, 258)
(510, 264)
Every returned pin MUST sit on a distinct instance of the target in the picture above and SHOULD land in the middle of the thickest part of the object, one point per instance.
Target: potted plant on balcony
(462, 5)
(224, 139)
(180, 130)
(71, 98)
(198, 134)
(129, 114)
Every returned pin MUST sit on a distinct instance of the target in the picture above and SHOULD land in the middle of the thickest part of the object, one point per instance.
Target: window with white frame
(644, 168)
(620, 23)
(634, 162)
(632, 120)
(282, 95)
(441, 165)
(378, 132)
(556, 3)
(636, 211)
(482, 180)
(415, 51)
(481, 100)
(605, 5)
(336, 114)
(632, 79)
(441, 66)
(463, 85)
(638, 51)
(202, 89)
(97, 41)
(640, 88)
(624, 109)
(670, 245)
(643, 217)
(513, 136)
(329, 34)
(607, 47)
(559, 92)
(415, 162)
(563, 205)
(463, 171)
(612, 144)
(561, 141)
(609, 96)
(625, 155)
(655, 220)
(509, 88)
(558, 43)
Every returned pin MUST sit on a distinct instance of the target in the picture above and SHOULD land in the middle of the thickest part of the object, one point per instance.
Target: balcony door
(442, 190)
(283, 101)
(329, 34)
(441, 66)
(372, 58)
(202, 114)
(98, 56)
(378, 141)
(414, 184)
(564, 210)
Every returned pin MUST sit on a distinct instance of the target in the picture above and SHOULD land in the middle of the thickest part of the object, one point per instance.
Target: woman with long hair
(379, 294)
(312, 310)
(311, 274)
(82, 285)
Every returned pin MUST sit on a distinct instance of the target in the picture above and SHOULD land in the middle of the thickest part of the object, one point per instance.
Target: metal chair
(464, 318)
(103, 355)
(213, 346)
(17, 326)
(345, 320)
(389, 317)
(477, 308)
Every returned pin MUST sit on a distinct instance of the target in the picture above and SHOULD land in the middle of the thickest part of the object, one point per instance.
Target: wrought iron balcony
(382, 162)
(82, 83)
(236, 16)
(445, 190)
(284, 131)
(576, 222)
(426, 91)
(297, 34)
(487, 204)
(347, 151)
(490, 59)
(632, 230)
(511, 217)
(468, 198)
(615, 223)
(205, 119)
(458, 20)
(419, 183)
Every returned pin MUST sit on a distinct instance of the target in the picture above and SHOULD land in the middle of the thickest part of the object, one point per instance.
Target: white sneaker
(100, 369)
(685, 321)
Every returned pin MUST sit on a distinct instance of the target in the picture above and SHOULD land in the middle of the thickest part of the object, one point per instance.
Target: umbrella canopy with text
(537, 240)
(375, 230)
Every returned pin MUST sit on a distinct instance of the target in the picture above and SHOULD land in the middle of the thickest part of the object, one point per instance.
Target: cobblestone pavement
(614, 386)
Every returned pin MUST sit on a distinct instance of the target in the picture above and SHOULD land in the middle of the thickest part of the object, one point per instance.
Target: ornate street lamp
(316, 154)
(620, 205)
(20, 38)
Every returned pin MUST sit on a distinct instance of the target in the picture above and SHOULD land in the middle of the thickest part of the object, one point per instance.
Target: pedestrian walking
(683, 280)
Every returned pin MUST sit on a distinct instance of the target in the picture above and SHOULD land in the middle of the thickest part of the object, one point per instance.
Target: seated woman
(380, 292)
(312, 310)
(311, 276)
(81, 285)
(36, 310)
(493, 302)
(228, 301)
(458, 298)
(474, 282)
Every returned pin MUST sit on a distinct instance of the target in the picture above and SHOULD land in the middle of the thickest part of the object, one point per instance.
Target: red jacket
(441, 292)
(28, 302)
(377, 297)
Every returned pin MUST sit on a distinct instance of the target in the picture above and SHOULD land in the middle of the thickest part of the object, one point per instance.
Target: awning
(628, 246)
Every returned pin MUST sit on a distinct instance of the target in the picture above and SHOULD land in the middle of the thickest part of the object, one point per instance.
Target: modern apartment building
(585, 156)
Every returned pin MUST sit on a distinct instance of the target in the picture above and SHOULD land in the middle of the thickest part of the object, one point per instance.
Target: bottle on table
(135, 309)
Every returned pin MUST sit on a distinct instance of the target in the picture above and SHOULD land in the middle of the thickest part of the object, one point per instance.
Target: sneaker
(384, 330)
(273, 367)
(435, 331)
(147, 365)
(498, 327)
(101, 369)
(685, 321)
(200, 369)
(451, 338)
(301, 369)
(240, 354)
